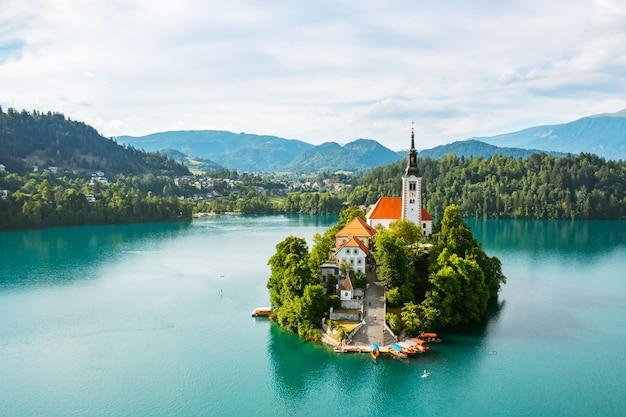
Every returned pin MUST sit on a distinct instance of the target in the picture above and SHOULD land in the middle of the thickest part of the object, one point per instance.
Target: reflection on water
(57, 255)
(294, 365)
(480, 329)
(535, 236)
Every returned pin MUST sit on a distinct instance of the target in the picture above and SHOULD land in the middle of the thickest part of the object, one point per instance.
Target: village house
(98, 177)
(357, 228)
(353, 253)
(352, 245)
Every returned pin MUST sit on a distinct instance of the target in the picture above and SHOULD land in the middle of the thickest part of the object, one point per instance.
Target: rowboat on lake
(396, 350)
(407, 348)
(418, 344)
(374, 351)
(262, 312)
(429, 337)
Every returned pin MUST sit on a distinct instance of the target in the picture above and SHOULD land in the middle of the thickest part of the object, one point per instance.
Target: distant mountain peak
(600, 134)
(621, 113)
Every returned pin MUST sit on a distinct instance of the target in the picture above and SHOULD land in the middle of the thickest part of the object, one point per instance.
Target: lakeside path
(374, 306)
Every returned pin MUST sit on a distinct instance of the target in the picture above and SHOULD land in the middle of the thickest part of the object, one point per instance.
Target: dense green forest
(50, 139)
(448, 283)
(139, 186)
(43, 200)
(539, 187)
(255, 203)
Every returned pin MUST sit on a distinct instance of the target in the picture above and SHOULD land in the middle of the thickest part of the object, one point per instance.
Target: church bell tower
(412, 187)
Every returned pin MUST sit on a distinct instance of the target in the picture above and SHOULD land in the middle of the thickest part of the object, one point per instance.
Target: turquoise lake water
(129, 321)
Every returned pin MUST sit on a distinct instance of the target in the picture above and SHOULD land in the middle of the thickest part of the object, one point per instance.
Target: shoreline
(211, 214)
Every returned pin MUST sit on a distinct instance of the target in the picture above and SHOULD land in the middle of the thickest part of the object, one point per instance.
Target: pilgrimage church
(352, 243)
(409, 206)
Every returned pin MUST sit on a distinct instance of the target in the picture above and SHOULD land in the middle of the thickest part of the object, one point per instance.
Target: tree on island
(324, 244)
(296, 295)
(399, 262)
(456, 236)
(448, 283)
(297, 298)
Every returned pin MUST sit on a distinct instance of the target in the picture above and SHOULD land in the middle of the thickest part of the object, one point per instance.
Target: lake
(129, 321)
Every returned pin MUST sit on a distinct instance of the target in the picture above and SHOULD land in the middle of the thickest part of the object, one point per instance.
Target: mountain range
(259, 153)
(602, 134)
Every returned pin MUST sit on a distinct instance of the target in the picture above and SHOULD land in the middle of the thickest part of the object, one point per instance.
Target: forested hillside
(241, 151)
(358, 155)
(468, 148)
(138, 187)
(539, 187)
(44, 200)
(50, 139)
(194, 164)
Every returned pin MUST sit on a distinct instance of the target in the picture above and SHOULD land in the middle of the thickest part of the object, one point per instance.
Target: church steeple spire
(411, 167)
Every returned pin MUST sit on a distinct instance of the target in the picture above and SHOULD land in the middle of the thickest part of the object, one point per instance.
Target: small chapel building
(407, 207)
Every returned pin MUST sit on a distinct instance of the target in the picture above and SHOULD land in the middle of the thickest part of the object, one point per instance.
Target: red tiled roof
(354, 242)
(426, 215)
(347, 284)
(357, 227)
(387, 208)
(391, 208)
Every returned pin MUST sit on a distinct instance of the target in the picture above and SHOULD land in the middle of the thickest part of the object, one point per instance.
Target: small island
(375, 278)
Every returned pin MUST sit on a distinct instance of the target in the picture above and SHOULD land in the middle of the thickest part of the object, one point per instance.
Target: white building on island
(353, 253)
(407, 207)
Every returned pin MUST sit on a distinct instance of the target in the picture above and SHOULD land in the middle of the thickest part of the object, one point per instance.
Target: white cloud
(610, 14)
(319, 71)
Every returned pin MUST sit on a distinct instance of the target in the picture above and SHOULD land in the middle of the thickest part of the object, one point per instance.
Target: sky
(320, 71)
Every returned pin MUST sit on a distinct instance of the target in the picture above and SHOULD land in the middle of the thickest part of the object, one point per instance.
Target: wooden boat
(419, 344)
(429, 337)
(262, 312)
(374, 351)
(396, 350)
(407, 348)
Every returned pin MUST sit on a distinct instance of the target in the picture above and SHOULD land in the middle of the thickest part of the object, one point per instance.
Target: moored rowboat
(429, 337)
(396, 350)
(262, 312)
